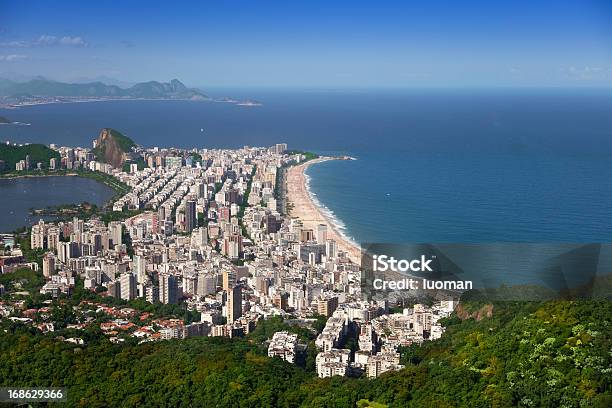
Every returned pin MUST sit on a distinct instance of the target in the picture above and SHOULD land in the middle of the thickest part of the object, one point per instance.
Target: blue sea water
(469, 198)
(432, 165)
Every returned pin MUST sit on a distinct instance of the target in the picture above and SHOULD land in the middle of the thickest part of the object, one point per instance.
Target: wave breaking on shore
(334, 221)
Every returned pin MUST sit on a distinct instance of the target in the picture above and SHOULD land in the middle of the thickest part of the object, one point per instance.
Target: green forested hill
(38, 153)
(553, 354)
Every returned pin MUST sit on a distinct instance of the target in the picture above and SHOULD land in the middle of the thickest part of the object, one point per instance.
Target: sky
(312, 44)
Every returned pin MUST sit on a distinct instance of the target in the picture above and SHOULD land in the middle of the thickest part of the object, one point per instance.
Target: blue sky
(313, 44)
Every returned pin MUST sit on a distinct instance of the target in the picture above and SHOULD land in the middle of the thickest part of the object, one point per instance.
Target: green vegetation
(266, 329)
(38, 154)
(280, 179)
(124, 142)
(23, 279)
(165, 310)
(245, 202)
(24, 284)
(526, 354)
(111, 146)
(4, 120)
(203, 372)
(64, 210)
(107, 216)
(202, 220)
(126, 238)
(30, 255)
(536, 354)
(369, 404)
(157, 309)
(195, 158)
(245, 199)
(119, 187)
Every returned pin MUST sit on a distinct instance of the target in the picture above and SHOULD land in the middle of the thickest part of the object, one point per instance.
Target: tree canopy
(540, 354)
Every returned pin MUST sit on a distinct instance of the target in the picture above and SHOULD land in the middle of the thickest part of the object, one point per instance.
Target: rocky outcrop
(112, 147)
(478, 315)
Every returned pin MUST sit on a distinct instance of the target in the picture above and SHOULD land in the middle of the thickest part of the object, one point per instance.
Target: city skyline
(306, 204)
(344, 45)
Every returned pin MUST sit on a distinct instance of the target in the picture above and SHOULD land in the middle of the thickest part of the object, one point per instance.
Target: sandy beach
(309, 213)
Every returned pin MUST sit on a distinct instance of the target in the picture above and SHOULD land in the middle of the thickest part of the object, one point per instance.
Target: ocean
(433, 165)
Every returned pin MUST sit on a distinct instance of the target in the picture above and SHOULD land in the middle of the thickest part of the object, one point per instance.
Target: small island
(66, 211)
(4, 121)
(249, 103)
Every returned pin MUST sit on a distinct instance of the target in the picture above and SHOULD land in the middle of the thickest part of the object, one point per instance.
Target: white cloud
(12, 57)
(15, 44)
(587, 73)
(53, 40)
(74, 41)
(46, 40)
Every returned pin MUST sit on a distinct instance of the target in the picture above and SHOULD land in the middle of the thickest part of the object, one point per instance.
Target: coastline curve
(307, 208)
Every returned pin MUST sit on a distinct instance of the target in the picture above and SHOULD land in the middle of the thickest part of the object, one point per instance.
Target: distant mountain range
(41, 87)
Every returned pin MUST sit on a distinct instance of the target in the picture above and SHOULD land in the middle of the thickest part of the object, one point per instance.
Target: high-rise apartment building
(234, 304)
(321, 234)
(191, 217)
(168, 289)
(326, 307)
(48, 265)
(128, 286)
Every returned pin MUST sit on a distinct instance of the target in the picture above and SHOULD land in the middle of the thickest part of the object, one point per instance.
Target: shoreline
(102, 178)
(312, 213)
(18, 176)
(26, 105)
(10, 106)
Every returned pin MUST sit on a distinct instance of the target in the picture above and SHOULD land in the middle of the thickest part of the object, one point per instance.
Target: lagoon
(19, 195)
